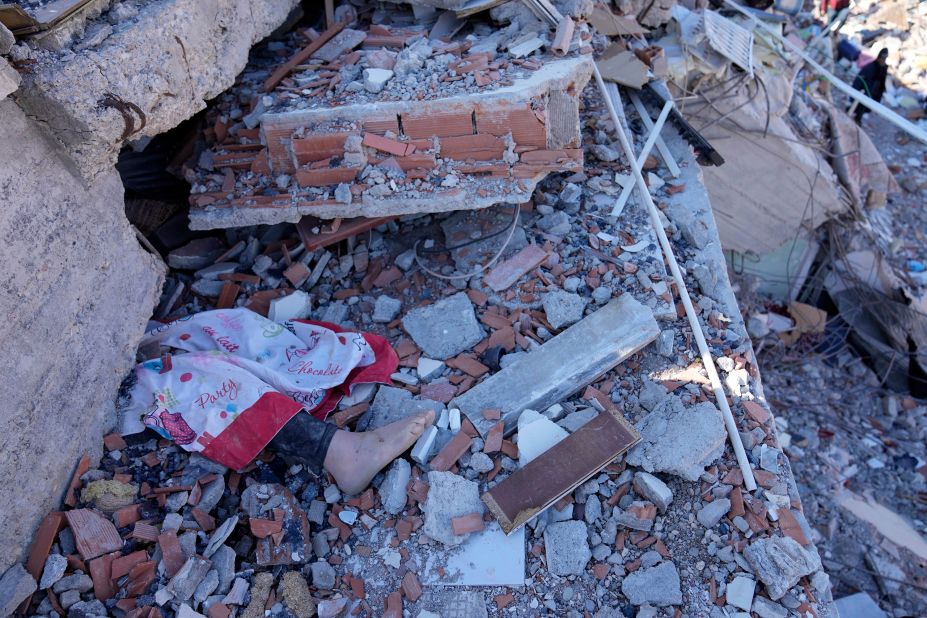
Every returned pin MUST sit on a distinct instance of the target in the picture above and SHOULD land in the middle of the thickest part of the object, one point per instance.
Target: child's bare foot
(355, 458)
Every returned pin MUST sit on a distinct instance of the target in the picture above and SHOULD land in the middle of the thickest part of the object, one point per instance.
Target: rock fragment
(779, 562)
(567, 547)
(444, 329)
(657, 585)
(449, 496)
(683, 449)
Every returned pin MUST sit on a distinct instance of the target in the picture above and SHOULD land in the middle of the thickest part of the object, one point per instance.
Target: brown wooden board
(559, 470)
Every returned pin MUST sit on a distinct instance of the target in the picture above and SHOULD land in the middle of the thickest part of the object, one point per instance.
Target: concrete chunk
(563, 308)
(446, 328)
(449, 496)
(15, 586)
(542, 378)
(567, 547)
(682, 448)
(779, 562)
(657, 585)
(650, 487)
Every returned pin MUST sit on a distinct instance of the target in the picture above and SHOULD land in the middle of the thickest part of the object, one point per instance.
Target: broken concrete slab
(680, 448)
(551, 142)
(567, 547)
(779, 562)
(558, 471)
(445, 328)
(449, 496)
(599, 342)
(147, 65)
(62, 304)
(657, 585)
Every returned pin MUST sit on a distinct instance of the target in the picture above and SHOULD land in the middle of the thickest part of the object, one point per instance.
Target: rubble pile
(533, 316)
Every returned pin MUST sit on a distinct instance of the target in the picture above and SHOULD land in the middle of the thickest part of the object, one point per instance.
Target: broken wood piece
(559, 470)
(596, 344)
(301, 56)
(348, 228)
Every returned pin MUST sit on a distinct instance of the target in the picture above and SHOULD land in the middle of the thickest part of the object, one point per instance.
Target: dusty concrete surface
(77, 290)
(168, 61)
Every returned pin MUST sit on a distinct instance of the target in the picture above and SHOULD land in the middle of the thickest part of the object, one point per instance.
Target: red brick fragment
(465, 524)
(790, 527)
(319, 147)
(114, 442)
(263, 528)
(756, 411)
(83, 465)
(453, 451)
(173, 555)
(411, 587)
(492, 414)
(325, 177)
(493, 443)
(600, 570)
(206, 521)
(503, 600)
(140, 578)
(94, 535)
(218, 610)
(385, 144)
(42, 542)
(468, 365)
(442, 124)
(358, 588)
(122, 565)
(102, 575)
(393, 606)
(144, 532)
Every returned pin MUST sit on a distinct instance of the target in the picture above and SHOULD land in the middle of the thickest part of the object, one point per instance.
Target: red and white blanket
(242, 377)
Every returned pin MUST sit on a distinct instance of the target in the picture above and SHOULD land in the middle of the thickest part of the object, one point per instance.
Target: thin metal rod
(704, 351)
(645, 152)
(665, 154)
(900, 122)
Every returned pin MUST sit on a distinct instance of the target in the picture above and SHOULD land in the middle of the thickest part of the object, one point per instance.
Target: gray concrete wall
(168, 60)
(76, 290)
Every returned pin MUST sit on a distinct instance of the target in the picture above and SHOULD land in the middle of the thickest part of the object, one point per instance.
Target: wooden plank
(301, 56)
(561, 469)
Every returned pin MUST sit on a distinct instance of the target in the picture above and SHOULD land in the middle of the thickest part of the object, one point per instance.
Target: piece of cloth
(243, 377)
(305, 439)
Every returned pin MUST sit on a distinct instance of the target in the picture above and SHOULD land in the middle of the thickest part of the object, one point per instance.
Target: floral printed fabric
(243, 377)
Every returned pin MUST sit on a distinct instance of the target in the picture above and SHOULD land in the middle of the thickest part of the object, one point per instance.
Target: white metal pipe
(642, 157)
(902, 123)
(704, 351)
(665, 154)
